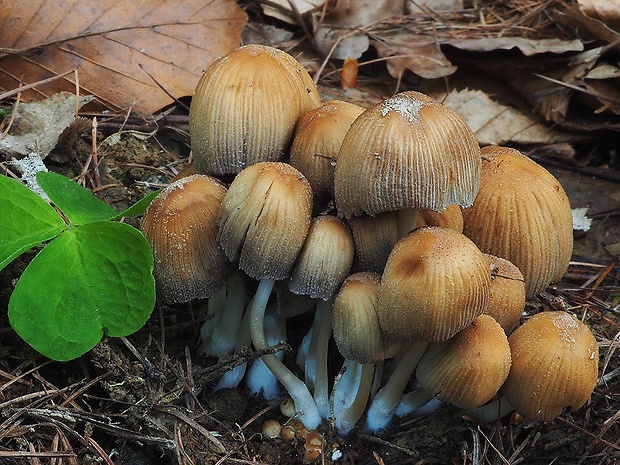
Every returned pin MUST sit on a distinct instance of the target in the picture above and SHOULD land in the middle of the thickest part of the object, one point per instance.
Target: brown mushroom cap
(264, 219)
(318, 136)
(468, 369)
(354, 320)
(435, 283)
(325, 259)
(554, 365)
(407, 152)
(374, 238)
(507, 298)
(451, 217)
(180, 225)
(522, 214)
(245, 108)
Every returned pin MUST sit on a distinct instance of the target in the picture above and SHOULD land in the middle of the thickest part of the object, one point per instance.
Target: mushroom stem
(259, 378)
(492, 411)
(348, 413)
(317, 352)
(233, 377)
(305, 405)
(385, 402)
(413, 401)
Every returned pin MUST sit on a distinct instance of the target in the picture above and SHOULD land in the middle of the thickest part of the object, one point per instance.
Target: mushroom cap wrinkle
(407, 152)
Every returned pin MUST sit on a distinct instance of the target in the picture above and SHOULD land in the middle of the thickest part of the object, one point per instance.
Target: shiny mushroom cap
(318, 136)
(245, 108)
(354, 320)
(522, 214)
(325, 259)
(407, 152)
(435, 283)
(180, 225)
(264, 219)
(468, 369)
(554, 365)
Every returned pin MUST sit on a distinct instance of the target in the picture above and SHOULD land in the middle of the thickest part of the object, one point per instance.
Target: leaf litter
(559, 55)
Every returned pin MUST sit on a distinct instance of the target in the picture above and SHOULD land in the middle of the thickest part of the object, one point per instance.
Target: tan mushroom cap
(245, 108)
(355, 323)
(264, 219)
(522, 214)
(325, 259)
(554, 365)
(407, 152)
(468, 369)
(374, 238)
(318, 136)
(451, 217)
(507, 298)
(435, 283)
(180, 225)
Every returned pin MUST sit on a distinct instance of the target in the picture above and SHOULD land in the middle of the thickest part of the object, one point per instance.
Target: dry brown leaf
(122, 50)
(607, 11)
(302, 7)
(497, 124)
(528, 47)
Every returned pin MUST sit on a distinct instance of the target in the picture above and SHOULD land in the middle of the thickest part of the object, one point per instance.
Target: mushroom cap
(435, 283)
(468, 369)
(407, 152)
(522, 214)
(264, 218)
(507, 298)
(180, 225)
(554, 365)
(245, 108)
(355, 324)
(325, 259)
(318, 136)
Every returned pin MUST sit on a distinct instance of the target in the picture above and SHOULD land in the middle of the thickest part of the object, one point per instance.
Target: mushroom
(263, 222)
(522, 214)
(468, 369)
(374, 238)
(318, 136)
(554, 365)
(436, 282)
(180, 225)
(361, 342)
(245, 108)
(451, 217)
(406, 153)
(323, 263)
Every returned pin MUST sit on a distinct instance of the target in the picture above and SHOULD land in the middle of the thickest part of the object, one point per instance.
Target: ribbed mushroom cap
(245, 108)
(451, 218)
(522, 214)
(507, 298)
(180, 225)
(554, 365)
(325, 259)
(354, 320)
(318, 136)
(374, 238)
(435, 283)
(264, 219)
(468, 369)
(407, 152)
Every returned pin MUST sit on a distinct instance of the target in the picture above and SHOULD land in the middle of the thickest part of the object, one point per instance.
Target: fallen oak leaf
(123, 51)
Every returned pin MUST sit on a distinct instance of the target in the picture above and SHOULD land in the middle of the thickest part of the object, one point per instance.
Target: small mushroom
(554, 365)
(374, 238)
(507, 296)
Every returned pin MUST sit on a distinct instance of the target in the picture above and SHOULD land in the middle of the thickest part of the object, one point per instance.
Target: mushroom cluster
(409, 243)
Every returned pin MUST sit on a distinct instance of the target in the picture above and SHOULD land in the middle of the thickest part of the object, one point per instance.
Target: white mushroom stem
(225, 308)
(259, 378)
(305, 405)
(351, 395)
(233, 377)
(317, 354)
(414, 401)
(492, 411)
(385, 402)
